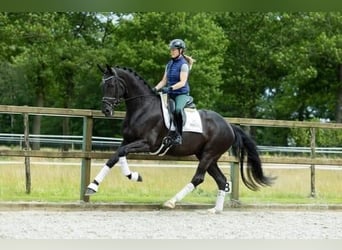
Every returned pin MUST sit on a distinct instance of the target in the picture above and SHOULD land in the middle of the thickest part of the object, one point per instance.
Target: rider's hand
(166, 90)
(155, 91)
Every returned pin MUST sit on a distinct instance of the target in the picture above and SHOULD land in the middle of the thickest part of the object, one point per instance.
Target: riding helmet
(177, 43)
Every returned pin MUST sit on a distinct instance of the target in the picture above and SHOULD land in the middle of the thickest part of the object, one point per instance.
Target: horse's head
(113, 89)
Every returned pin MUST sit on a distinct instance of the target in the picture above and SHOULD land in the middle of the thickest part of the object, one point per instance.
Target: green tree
(310, 59)
(281, 66)
(246, 62)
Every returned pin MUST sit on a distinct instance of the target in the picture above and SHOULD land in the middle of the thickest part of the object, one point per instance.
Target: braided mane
(136, 75)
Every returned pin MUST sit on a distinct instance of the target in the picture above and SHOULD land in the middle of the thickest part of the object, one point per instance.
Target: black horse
(144, 130)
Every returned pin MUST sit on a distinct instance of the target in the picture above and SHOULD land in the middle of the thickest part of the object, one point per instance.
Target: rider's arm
(162, 82)
(183, 77)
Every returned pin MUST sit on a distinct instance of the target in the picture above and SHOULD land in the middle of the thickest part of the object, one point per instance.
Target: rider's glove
(166, 90)
(155, 91)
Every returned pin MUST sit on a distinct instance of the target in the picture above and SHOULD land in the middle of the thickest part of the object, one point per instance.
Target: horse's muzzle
(107, 110)
(108, 106)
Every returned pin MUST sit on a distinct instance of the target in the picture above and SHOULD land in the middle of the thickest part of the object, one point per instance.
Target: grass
(61, 183)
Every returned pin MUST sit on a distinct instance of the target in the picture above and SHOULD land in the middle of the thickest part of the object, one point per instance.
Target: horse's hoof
(91, 189)
(135, 176)
(213, 211)
(169, 204)
(89, 192)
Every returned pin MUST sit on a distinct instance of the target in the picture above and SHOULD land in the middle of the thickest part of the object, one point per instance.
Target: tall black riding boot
(179, 128)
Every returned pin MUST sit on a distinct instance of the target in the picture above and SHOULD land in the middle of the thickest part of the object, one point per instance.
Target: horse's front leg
(119, 156)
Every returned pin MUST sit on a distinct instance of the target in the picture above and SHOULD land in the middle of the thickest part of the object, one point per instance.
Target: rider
(175, 83)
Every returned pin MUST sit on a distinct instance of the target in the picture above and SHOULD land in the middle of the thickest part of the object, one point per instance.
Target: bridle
(117, 82)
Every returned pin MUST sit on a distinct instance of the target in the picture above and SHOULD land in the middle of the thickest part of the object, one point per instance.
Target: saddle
(190, 116)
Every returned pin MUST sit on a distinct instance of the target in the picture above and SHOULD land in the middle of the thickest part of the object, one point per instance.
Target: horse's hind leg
(196, 180)
(179, 196)
(223, 187)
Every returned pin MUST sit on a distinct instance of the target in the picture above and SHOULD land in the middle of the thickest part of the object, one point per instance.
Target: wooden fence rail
(87, 154)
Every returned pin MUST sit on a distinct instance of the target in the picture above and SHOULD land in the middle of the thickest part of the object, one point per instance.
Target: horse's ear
(109, 68)
(100, 68)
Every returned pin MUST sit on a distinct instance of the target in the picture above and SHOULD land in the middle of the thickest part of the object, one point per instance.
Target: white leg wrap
(124, 166)
(220, 200)
(179, 196)
(134, 176)
(186, 190)
(102, 174)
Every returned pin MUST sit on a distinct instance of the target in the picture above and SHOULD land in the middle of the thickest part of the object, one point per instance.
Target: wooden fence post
(86, 161)
(27, 158)
(234, 175)
(313, 155)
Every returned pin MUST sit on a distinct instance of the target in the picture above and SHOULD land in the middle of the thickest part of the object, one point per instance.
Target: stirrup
(172, 140)
(177, 140)
(164, 147)
(167, 141)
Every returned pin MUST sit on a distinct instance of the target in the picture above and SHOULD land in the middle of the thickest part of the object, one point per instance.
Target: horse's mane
(135, 74)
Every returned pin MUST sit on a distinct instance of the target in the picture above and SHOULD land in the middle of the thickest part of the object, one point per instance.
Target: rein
(117, 101)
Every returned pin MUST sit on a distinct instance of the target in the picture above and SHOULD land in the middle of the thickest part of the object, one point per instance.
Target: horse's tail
(245, 145)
